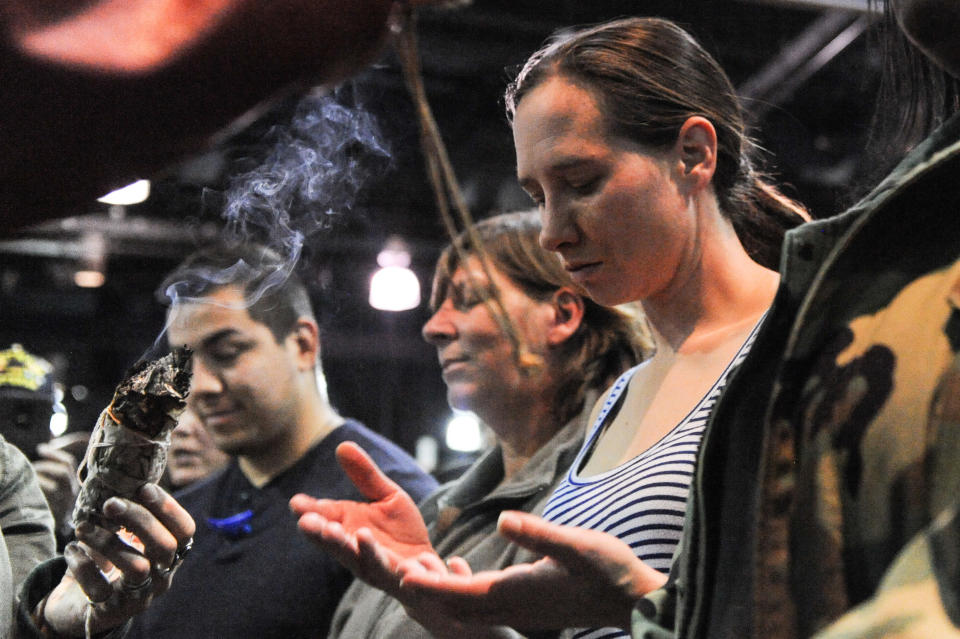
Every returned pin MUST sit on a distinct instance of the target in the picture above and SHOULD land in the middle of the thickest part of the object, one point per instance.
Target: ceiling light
(130, 194)
(89, 279)
(92, 267)
(394, 287)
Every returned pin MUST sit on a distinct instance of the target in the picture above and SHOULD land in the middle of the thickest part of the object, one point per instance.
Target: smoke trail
(314, 170)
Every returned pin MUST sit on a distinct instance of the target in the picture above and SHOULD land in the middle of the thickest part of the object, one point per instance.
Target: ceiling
(806, 70)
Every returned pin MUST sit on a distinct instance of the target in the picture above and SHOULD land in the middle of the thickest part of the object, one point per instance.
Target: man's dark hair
(275, 296)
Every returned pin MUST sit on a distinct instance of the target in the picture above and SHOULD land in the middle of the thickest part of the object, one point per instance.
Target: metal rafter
(862, 6)
(818, 44)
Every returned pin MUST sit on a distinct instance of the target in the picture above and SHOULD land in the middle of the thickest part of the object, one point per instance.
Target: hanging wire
(446, 188)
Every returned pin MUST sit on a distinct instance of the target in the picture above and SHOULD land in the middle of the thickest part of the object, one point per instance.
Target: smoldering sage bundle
(128, 447)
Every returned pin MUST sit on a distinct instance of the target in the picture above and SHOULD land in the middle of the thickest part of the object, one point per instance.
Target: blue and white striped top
(642, 501)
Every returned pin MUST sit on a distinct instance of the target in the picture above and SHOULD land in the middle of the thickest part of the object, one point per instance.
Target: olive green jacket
(462, 520)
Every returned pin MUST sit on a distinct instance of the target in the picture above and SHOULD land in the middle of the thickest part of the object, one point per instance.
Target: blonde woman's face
(476, 358)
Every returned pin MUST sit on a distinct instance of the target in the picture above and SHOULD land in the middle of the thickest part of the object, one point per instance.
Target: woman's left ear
(696, 148)
(568, 309)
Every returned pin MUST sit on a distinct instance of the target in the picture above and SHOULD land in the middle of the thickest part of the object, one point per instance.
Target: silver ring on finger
(163, 573)
(181, 554)
(93, 602)
(136, 591)
(178, 557)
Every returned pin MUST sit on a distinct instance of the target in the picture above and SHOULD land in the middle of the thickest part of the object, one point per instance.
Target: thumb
(364, 472)
(536, 534)
(459, 566)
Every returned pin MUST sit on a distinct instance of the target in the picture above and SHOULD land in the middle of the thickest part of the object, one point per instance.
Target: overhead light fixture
(394, 287)
(91, 271)
(130, 194)
(89, 279)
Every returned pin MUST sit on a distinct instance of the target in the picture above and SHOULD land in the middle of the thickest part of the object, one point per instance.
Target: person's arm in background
(25, 520)
(56, 470)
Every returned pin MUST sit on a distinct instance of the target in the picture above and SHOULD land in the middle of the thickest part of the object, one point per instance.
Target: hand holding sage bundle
(128, 447)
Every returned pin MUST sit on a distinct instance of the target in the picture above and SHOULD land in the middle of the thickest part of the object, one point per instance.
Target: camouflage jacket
(825, 499)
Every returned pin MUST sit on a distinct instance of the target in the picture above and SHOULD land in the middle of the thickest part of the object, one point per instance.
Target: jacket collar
(483, 481)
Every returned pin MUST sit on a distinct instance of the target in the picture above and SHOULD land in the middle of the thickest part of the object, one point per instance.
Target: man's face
(244, 386)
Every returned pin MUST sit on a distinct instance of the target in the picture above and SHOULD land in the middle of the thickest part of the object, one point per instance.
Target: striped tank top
(642, 501)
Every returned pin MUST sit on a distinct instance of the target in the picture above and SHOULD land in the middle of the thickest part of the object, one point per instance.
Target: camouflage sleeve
(653, 615)
(920, 595)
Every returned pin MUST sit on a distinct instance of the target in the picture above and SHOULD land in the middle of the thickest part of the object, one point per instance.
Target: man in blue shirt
(259, 391)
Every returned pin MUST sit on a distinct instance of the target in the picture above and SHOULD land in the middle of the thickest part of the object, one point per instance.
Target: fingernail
(84, 528)
(114, 507)
(507, 519)
(150, 492)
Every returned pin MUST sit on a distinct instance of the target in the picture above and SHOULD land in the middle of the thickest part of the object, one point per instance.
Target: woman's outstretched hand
(371, 539)
(587, 578)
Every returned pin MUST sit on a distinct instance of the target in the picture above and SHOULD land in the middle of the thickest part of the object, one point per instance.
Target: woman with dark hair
(536, 400)
(825, 501)
(631, 140)
(648, 78)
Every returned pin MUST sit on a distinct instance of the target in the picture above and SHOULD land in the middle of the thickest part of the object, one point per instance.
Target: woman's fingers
(579, 548)
(302, 504)
(330, 509)
(459, 566)
(541, 536)
(332, 537)
(364, 472)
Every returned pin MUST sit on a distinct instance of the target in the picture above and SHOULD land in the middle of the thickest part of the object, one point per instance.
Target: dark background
(807, 71)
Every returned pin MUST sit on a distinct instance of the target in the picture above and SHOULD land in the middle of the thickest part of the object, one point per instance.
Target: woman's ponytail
(761, 214)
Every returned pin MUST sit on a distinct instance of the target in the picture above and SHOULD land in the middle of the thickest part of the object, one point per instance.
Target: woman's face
(192, 454)
(477, 360)
(610, 208)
